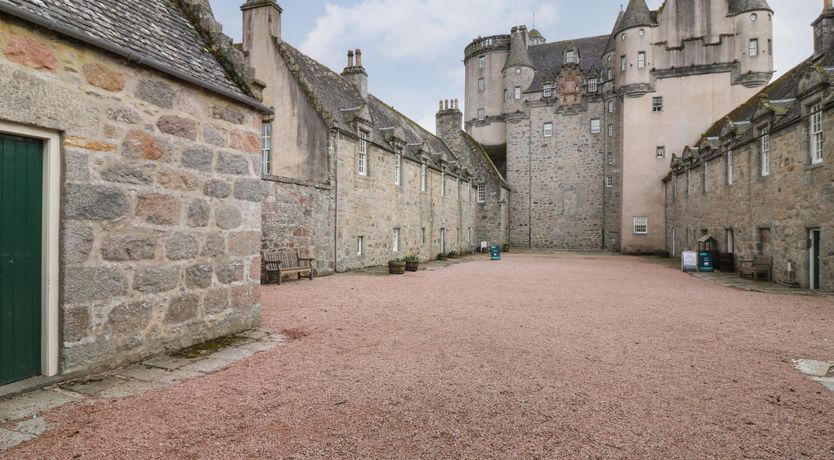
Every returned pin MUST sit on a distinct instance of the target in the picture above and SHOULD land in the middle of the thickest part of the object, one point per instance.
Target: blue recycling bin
(495, 252)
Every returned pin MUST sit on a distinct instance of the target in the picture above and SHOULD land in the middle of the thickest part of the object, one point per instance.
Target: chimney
(356, 73)
(449, 121)
(261, 23)
(824, 30)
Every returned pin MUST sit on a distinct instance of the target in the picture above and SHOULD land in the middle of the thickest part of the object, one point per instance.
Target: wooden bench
(756, 268)
(283, 263)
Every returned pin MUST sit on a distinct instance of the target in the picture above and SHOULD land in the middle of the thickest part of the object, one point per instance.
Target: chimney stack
(824, 30)
(261, 23)
(356, 73)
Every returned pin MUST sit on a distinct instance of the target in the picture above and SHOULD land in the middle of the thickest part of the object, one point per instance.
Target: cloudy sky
(413, 49)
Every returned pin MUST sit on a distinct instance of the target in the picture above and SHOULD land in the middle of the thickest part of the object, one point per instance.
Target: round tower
(634, 54)
(753, 25)
(484, 61)
(518, 71)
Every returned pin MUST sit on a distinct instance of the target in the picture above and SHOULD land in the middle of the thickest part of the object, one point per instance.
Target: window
(548, 129)
(360, 245)
(764, 154)
(753, 48)
(730, 168)
(266, 147)
(517, 93)
(641, 225)
(641, 32)
(395, 240)
(443, 240)
(481, 193)
(610, 73)
(596, 126)
(362, 167)
(660, 152)
(641, 59)
(570, 57)
(609, 181)
(730, 240)
(481, 84)
(706, 177)
(423, 235)
(592, 85)
(443, 184)
(610, 130)
(548, 90)
(610, 106)
(770, 46)
(398, 169)
(481, 114)
(657, 104)
(623, 62)
(610, 159)
(423, 178)
(816, 134)
(481, 62)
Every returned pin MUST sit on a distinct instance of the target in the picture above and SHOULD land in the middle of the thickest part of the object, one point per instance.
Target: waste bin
(495, 252)
(706, 262)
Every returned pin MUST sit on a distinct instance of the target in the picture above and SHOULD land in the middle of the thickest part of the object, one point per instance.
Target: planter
(412, 266)
(396, 268)
(441, 257)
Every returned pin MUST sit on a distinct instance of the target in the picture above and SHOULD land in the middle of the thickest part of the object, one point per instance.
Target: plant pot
(441, 257)
(412, 266)
(396, 268)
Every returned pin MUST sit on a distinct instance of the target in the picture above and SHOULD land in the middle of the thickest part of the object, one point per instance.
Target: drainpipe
(529, 183)
(333, 152)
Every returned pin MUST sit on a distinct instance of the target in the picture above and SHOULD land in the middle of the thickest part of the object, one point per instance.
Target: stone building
(761, 179)
(130, 192)
(354, 183)
(585, 126)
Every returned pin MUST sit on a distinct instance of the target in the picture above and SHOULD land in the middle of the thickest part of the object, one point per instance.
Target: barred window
(657, 104)
(641, 225)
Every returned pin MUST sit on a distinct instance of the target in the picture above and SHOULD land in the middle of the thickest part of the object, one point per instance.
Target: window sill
(812, 166)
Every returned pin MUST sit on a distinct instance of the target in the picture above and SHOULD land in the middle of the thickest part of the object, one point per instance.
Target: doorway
(814, 241)
(21, 198)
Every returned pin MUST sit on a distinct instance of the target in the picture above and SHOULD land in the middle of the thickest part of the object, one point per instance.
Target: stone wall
(301, 216)
(794, 198)
(161, 222)
(557, 181)
(373, 206)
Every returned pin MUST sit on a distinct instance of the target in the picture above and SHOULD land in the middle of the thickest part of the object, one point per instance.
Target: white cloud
(421, 30)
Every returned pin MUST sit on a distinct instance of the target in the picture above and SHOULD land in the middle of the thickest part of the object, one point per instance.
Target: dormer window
(570, 57)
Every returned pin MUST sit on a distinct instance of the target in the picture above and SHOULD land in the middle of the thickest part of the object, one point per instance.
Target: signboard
(689, 261)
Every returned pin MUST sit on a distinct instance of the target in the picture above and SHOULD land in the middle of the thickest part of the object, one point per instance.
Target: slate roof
(741, 6)
(547, 58)
(518, 56)
(610, 45)
(332, 94)
(156, 29)
(637, 14)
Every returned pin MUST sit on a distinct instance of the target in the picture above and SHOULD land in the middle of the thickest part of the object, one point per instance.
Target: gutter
(131, 56)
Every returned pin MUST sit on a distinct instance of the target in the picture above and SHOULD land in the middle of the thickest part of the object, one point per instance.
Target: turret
(518, 71)
(536, 38)
(484, 60)
(634, 55)
(824, 30)
(753, 23)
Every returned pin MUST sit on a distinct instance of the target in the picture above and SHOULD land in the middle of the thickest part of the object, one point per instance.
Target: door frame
(50, 237)
(812, 248)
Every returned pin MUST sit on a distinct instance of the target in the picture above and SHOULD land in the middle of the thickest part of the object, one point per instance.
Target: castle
(584, 129)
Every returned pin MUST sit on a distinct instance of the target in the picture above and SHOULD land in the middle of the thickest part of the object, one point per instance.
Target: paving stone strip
(20, 416)
(819, 371)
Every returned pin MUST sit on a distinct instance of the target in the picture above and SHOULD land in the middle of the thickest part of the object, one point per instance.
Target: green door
(21, 205)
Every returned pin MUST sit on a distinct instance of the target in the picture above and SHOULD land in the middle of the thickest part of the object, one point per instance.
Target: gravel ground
(535, 356)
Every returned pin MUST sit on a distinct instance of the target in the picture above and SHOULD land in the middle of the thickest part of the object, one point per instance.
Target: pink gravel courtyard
(536, 356)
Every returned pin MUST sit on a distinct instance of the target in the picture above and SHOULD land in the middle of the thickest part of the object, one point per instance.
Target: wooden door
(21, 208)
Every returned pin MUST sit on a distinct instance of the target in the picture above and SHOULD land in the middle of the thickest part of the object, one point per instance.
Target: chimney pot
(358, 57)
(350, 58)
(456, 104)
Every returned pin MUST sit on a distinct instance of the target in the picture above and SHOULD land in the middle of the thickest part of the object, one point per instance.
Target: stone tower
(596, 120)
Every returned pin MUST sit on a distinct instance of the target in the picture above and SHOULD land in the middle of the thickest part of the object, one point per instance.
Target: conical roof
(518, 56)
(535, 34)
(610, 46)
(742, 6)
(637, 14)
